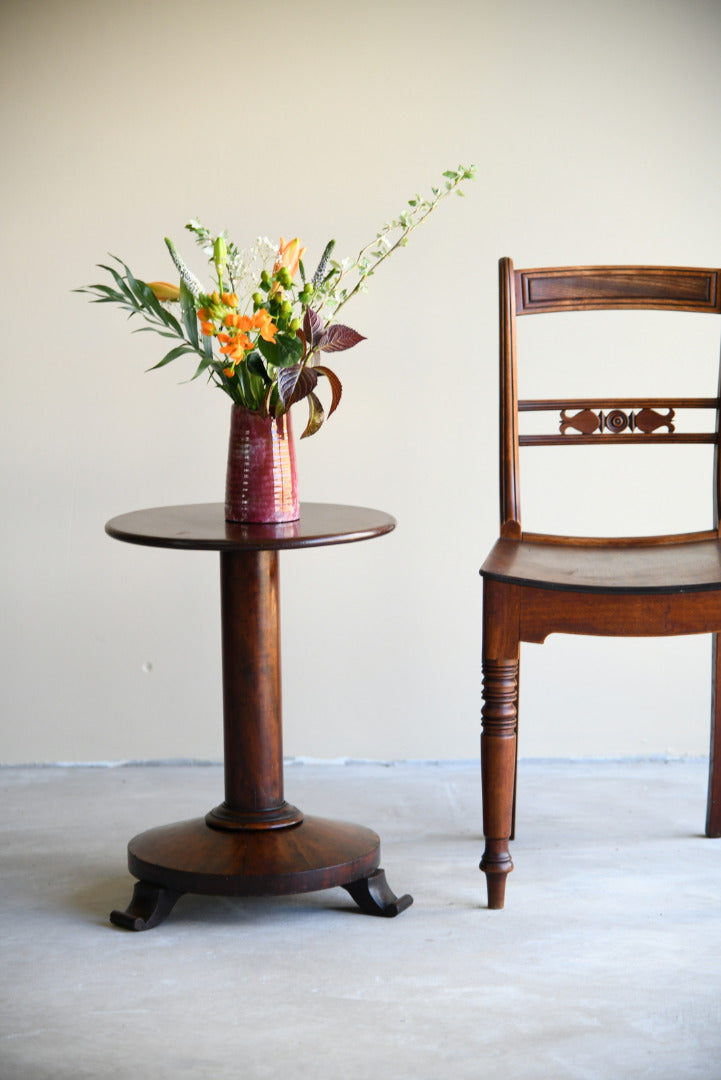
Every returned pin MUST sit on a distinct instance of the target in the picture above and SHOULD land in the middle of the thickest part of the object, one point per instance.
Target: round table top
(203, 527)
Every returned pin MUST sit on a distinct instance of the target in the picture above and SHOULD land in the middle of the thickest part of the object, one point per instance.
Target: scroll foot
(374, 897)
(150, 905)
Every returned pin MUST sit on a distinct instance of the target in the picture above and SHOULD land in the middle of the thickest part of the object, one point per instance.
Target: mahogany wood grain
(539, 584)
(202, 527)
(689, 438)
(551, 404)
(595, 288)
(254, 843)
(713, 807)
(190, 857)
(613, 568)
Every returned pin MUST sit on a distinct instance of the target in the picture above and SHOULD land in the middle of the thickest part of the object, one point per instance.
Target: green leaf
(138, 295)
(180, 350)
(140, 290)
(254, 360)
(110, 294)
(252, 388)
(286, 351)
(154, 330)
(270, 351)
(122, 286)
(202, 366)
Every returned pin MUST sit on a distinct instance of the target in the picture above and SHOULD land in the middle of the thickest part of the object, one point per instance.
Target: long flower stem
(400, 242)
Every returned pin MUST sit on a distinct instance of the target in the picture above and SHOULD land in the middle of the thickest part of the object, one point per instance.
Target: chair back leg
(713, 807)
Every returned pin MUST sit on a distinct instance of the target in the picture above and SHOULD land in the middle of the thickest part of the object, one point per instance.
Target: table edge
(248, 542)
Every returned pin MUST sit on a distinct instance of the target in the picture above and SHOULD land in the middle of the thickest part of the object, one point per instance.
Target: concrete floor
(606, 962)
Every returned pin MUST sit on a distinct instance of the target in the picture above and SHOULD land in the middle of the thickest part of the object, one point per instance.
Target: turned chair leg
(498, 772)
(713, 808)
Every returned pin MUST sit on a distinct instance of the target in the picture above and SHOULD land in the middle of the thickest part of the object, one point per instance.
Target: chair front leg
(498, 769)
(501, 652)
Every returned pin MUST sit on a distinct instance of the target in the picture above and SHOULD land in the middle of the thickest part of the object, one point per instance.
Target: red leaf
(313, 326)
(335, 385)
(295, 383)
(338, 337)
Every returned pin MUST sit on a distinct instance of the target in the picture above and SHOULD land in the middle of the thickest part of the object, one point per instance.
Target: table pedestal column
(252, 711)
(254, 843)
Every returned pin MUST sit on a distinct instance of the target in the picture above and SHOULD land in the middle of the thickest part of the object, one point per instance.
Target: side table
(254, 843)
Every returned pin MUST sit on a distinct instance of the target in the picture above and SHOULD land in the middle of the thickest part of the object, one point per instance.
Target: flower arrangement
(262, 328)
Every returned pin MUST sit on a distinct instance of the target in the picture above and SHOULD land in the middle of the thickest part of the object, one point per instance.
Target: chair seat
(693, 566)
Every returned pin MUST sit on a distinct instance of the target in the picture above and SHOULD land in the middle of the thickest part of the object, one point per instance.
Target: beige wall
(596, 129)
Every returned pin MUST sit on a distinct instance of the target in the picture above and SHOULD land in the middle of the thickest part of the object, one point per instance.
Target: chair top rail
(586, 288)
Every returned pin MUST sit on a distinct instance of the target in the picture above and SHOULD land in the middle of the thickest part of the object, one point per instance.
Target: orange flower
(235, 347)
(230, 299)
(265, 324)
(164, 291)
(238, 322)
(236, 343)
(261, 321)
(289, 255)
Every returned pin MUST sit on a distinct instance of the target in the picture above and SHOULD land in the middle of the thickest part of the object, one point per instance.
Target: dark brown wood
(254, 843)
(202, 527)
(553, 404)
(621, 541)
(508, 427)
(498, 757)
(713, 806)
(616, 420)
(587, 288)
(188, 856)
(600, 568)
(501, 652)
(374, 896)
(252, 711)
(536, 585)
(696, 438)
(586, 421)
(148, 907)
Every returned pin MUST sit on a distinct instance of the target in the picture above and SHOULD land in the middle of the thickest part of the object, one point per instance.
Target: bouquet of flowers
(262, 328)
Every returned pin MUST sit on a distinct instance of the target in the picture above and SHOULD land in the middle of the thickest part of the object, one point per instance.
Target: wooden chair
(536, 584)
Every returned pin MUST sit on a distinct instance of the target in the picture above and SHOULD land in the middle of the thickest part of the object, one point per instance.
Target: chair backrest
(597, 420)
